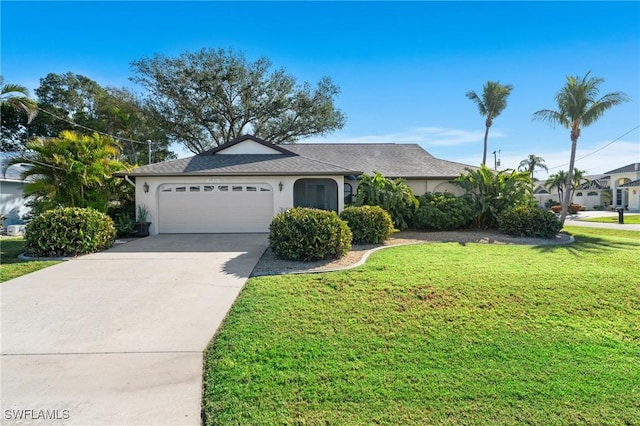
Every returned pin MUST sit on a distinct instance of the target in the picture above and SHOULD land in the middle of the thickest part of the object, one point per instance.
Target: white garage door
(215, 208)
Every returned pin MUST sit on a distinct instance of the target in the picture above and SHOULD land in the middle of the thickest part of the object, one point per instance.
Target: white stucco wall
(627, 196)
(248, 147)
(12, 201)
(283, 200)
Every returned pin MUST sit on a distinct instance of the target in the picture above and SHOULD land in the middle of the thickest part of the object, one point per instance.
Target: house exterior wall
(283, 199)
(418, 186)
(633, 198)
(590, 198)
(248, 147)
(421, 186)
(12, 202)
(622, 197)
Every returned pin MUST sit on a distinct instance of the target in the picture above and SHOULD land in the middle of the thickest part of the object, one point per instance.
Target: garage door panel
(226, 208)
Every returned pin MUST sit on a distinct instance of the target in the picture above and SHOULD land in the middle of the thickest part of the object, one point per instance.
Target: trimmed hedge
(443, 211)
(368, 224)
(524, 221)
(309, 234)
(69, 231)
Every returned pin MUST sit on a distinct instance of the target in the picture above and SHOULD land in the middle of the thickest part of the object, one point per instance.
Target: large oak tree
(75, 102)
(206, 98)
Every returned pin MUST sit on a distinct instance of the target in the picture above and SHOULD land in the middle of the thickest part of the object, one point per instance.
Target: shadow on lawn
(587, 244)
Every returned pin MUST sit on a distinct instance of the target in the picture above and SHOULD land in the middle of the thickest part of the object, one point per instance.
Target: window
(578, 194)
(223, 188)
(251, 189)
(181, 189)
(264, 189)
(165, 189)
(592, 193)
(208, 188)
(236, 188)
(194, 188)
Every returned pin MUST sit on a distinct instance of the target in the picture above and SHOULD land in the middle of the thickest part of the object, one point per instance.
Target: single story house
(241, 185)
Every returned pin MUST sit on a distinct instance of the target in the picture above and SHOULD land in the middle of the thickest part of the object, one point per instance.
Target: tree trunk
(567, 195)
(486, 136)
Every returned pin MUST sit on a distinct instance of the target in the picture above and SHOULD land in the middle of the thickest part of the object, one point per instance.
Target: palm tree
(577, 180)
(17, 97)
(531, 163)
(557, 181)
(579, 105)
(492, 102)
(72, 170)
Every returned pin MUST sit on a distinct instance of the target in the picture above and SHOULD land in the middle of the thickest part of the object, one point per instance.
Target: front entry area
(214, 208)
(316, 193)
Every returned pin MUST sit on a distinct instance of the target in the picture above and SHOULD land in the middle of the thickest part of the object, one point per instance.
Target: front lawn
(12, 267)
(440, 333)
(628, 219)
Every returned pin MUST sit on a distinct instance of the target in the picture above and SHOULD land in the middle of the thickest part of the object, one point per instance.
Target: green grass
(12, 267)
(439, 334)
(628, 219)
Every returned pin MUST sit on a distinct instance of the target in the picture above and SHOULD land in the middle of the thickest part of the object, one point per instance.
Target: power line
(597, 150)
(90, 129)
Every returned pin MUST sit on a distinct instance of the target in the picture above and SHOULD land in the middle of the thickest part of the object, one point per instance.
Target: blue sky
(403, 67)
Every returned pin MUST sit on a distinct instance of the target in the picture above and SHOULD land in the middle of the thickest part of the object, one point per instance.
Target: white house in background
(240, 185)
(592, 195)
(625, 186)
(12, 201)
(614, 189)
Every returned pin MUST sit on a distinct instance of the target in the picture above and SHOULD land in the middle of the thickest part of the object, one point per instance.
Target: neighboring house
(12, 201)
(616, 188)
(240, 185)
(594, 194)
(625, 186)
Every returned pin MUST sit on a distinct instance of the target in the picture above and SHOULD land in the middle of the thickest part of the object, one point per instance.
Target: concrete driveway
(116, 338)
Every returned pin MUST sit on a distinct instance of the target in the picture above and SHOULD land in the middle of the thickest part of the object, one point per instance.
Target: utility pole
(496, 160)
(149, 145)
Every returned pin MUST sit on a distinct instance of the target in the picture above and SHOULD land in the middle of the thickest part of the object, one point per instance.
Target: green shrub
(368, 224)
(524, 221)
(123, 214)
(309, 234)
(393, 195)
(69, 231)
(492, 193)
(443, 212)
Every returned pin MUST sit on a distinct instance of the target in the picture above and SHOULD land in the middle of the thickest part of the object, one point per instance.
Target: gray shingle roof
(631, 184)
(242, 164)
(392, 160)
(633, 167)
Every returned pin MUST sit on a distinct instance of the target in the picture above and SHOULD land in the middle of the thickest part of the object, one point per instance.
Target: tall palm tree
(579, 105)
(531, 163)
(492, 102)
(17, 97)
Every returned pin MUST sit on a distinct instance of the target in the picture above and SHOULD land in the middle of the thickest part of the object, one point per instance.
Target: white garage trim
(214, 207)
